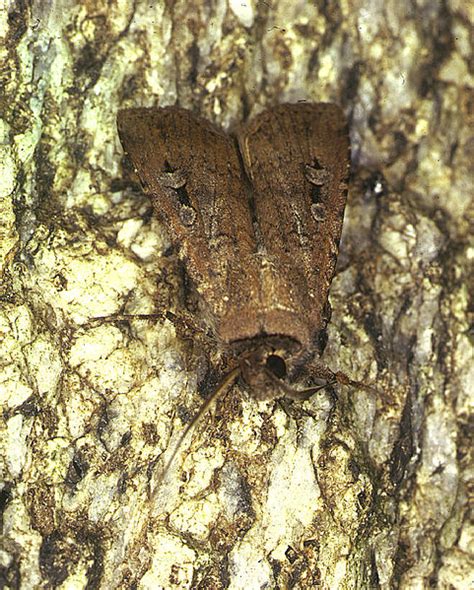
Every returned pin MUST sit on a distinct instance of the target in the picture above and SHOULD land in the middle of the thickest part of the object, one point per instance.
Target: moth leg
(184, 322)
(305, 394)
(287, 406)
(323, 372)
(297, 410)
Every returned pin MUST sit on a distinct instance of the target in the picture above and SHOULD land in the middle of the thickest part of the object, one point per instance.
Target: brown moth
(256, 220)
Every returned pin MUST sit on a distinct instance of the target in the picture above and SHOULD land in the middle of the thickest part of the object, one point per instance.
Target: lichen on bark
(368, 490)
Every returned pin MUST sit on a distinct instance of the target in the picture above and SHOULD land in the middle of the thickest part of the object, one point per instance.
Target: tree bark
(365, 489)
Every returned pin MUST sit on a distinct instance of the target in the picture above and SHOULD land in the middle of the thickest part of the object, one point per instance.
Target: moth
(256, 220)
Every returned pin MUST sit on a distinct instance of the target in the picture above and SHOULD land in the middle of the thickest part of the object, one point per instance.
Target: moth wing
(193, 174)
(297, 157)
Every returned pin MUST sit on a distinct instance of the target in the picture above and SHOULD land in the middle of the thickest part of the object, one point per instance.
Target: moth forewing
(297, 156)
(207, 215)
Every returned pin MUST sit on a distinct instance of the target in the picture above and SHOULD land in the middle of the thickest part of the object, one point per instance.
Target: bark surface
(366, 489)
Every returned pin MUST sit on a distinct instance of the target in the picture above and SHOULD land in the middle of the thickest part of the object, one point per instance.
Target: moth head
(265, 370)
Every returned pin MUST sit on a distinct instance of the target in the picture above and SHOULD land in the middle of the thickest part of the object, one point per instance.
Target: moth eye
(276, 365)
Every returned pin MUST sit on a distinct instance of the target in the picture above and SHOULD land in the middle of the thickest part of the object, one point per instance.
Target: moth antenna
(220, 390)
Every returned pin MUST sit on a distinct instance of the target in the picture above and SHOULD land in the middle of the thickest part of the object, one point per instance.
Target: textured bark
(369, 490)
